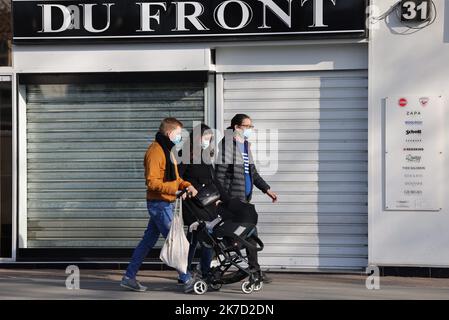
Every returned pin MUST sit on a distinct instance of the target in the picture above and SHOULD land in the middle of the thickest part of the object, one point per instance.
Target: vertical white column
(22, 169)
(14, 168)
(219, 102)
(210, 104)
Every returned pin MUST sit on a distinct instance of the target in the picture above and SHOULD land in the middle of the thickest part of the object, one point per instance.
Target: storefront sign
(200, 19)
(413, 153)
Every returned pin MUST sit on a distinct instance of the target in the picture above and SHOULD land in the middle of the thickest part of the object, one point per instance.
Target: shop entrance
(321, 220)
(5, 167)
(86, 137)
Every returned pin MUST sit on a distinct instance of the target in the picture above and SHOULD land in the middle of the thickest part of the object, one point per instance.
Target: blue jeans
(206, 254)
(161, 216)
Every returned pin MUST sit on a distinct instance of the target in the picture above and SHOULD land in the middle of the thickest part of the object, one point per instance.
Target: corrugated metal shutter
(85, 150)
(322, 117)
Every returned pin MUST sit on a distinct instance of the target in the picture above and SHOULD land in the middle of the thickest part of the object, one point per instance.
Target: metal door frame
(6, 73)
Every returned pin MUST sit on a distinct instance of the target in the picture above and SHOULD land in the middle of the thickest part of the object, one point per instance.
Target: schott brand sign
(47, 20)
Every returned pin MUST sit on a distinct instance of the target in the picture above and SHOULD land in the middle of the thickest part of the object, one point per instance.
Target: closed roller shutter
(322, 117)
(85, 150)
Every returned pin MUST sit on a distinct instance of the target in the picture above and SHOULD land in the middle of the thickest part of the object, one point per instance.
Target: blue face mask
(177, 139)
(247, 133)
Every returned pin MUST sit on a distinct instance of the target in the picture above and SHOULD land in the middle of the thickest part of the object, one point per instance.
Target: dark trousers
(206, 254)
(252, 256)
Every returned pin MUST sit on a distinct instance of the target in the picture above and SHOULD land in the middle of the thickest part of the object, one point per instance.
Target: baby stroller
(228, 237)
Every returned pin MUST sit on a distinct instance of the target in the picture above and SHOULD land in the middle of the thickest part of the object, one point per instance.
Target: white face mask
(205, 144)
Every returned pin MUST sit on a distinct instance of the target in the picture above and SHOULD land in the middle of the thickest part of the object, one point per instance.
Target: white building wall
(299, 57)
(415, 64)
(60, 58)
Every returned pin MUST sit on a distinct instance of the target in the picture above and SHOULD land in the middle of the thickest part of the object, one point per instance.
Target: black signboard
(415, 10)
(186, 20)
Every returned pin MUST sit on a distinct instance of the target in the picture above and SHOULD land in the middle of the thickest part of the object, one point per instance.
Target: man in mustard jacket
(163, 183)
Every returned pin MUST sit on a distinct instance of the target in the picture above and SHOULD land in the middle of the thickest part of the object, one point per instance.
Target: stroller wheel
(247, 287)
(216, 287)
(258, 287)
(200, 287)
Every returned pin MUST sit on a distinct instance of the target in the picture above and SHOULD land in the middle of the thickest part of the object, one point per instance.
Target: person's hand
(192, 191)
(272, 195)
(183, 196)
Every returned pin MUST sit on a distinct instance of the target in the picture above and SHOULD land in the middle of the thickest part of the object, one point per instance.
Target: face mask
(205, 144)
(247, 133)
(177, 139)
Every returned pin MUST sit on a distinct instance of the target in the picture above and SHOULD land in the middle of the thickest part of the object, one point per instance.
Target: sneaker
(265, 278)
(188, 286)
(132, 284)
(183, 280)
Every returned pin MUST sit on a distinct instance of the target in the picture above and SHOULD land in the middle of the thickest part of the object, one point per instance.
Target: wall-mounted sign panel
(415, 10)
(200, 19)
(413, 153)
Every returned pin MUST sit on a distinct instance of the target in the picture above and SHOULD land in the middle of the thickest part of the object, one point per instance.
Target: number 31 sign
(415, 10)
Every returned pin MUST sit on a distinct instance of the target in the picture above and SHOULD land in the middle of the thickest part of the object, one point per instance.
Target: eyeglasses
(247, 126)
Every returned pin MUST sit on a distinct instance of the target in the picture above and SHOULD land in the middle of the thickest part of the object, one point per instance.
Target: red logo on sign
(402, 102)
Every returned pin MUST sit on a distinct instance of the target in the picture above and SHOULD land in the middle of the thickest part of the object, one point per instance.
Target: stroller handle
(258, 243)
(180, 194)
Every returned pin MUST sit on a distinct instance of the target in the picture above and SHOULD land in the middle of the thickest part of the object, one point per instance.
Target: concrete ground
(104, 284)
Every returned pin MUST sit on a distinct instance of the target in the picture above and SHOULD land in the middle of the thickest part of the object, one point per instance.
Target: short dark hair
(237, 120)
(169, 124)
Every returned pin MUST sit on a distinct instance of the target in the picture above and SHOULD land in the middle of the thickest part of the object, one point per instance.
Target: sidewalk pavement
(162, 285)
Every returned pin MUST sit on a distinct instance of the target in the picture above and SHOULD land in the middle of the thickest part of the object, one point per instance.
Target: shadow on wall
(383, 173)
(393, 23)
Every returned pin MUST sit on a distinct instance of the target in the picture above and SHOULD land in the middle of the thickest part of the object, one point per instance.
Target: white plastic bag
(175, 251)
